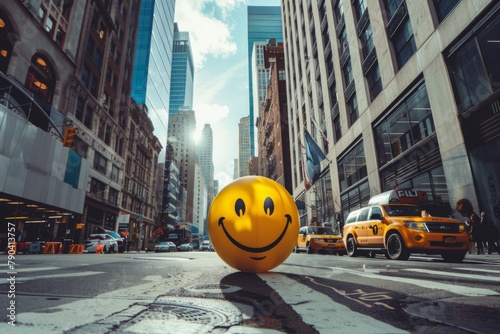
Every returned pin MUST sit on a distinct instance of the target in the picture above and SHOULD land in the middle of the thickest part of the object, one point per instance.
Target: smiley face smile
(256, 249)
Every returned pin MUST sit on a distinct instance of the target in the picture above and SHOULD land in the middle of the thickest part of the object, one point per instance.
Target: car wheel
(351, 247)
(396, 248)
(309, 250)
(453, 256)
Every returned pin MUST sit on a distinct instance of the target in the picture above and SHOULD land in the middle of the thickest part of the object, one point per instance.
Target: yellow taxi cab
(397, 230)
(316, 239)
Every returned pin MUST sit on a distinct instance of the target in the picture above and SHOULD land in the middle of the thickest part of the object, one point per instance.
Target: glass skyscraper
(153, 62)
(264, 23)
(181, 85)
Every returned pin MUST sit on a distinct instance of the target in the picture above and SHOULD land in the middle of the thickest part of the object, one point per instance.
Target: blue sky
(218, 34)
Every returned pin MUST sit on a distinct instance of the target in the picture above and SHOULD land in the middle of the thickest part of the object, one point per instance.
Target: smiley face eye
(239, 207)
(268, 206)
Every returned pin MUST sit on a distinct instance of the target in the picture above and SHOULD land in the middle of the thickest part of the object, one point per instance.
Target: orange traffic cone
(59, 251)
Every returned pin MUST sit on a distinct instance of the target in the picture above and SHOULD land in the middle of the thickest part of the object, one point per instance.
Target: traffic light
(69, 136)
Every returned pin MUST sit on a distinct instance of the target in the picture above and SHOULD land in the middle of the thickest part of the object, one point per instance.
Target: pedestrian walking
(464, 207)
(490, 232)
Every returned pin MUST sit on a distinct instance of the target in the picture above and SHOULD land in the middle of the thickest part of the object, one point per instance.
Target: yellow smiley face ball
(253, 224)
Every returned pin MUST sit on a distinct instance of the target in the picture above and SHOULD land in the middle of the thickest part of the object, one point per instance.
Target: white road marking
(481, 270)
(457, 289)
(444, 273)
(27, 270)
(34, 278)
(321, 312)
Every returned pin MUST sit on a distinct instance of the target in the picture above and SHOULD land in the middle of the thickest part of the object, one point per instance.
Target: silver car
(165, 246)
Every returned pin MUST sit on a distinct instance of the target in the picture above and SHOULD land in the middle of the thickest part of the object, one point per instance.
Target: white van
(205, 245)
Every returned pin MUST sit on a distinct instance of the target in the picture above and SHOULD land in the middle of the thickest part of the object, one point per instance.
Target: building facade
(263, 23)
(182, 82)
(205, 153)
(411, 121)
(244, 149)
(153, 63)
(181, 129)
(272, 123)
(42, 182)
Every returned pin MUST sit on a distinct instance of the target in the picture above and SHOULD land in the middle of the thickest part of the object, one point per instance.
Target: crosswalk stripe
(29, 270)
(457, 289)
(481, 270)
(320, 311)
(33, 278)
(444, 273)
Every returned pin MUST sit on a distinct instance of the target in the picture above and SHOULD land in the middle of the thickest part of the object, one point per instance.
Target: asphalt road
(195, 292)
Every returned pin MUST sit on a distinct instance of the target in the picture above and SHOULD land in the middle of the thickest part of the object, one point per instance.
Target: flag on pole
(314, 156)
(319, 129)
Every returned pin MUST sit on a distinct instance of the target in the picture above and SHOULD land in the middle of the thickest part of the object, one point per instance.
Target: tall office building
(205, 153)
(181, 128)
(244, 154)
(264, 22)
(182, 83)
(153, 56)
(383, 81)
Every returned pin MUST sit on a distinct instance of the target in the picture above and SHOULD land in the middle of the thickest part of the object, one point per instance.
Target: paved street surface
(195, 292)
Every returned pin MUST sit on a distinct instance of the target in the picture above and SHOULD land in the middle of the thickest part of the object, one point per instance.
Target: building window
(336, 127)
(352, 167)
(474, 67)
(97, 188)
(40, 78)
(374, 81)
(355, 198)
(79, 109)
(406, 125)
(112, 196)
(404, 43)
(352, 110)
(100, 163)
(392, 6)
(87, 121)
(444, 7)
(6, 42)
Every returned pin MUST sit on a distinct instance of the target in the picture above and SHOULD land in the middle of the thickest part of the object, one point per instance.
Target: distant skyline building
(244, 153)
(181, 128)
(182, 82)
(264, 22)
(204, 152)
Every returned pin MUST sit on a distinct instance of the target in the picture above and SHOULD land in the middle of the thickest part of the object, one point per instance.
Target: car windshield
(114, 235)
(402, 210)
(321, 230)
(164, 243)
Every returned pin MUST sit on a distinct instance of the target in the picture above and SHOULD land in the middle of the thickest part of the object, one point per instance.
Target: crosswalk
(309, 297)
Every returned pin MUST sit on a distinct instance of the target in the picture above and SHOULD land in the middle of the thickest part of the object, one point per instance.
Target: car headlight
(415, 225)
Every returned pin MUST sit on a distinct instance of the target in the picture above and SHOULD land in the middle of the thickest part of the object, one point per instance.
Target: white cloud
(209, 113)
(209, 36)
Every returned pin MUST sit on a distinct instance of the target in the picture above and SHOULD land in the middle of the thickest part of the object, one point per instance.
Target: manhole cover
(202, 311)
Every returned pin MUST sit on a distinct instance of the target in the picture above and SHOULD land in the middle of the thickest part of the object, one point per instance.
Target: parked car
(186, 248)
(119, 241)
(315, 239)
(165, 246)
(109, 243)
(206, 246)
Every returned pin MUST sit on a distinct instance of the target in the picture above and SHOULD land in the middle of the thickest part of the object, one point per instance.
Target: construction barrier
(76, 249)
(52, 247)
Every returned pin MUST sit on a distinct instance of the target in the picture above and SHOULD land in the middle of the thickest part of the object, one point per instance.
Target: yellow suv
(316, 239)
(397, 230)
